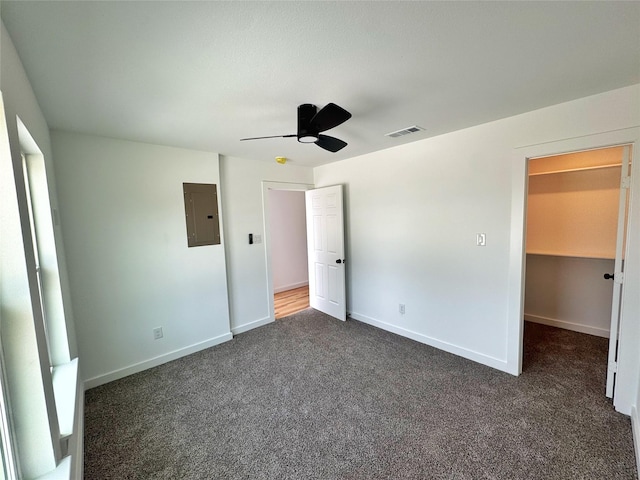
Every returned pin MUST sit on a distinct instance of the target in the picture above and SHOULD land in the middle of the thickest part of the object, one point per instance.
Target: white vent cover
(404, 131)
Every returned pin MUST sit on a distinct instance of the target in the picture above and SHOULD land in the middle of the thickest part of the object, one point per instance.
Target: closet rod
(579, 169)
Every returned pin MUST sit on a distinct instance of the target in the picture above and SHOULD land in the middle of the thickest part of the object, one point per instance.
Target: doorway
(286, 247)
(623, 393)
(572, 220)
(324, 218)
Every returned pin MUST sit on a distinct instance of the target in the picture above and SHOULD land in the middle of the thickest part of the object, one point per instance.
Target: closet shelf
(595, 256)
(579, 169)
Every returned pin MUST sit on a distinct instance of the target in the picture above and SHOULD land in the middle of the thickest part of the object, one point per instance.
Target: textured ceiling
(202, 75)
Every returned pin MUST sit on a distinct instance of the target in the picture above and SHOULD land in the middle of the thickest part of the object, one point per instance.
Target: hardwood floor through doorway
(291, 301)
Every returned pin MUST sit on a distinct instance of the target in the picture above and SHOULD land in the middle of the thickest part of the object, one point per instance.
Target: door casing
(517, 255)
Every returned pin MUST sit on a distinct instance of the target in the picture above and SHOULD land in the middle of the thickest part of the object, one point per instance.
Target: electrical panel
(201, 213)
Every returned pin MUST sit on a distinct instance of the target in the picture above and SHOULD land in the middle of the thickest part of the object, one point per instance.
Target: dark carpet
(310, 397)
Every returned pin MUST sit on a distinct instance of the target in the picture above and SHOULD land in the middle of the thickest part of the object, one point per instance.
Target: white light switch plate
(481, 239)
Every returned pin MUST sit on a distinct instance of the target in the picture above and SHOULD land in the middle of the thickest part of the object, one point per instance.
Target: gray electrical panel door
(201, 211)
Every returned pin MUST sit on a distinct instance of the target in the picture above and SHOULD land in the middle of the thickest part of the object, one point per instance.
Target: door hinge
(613, 367)
(626, 182)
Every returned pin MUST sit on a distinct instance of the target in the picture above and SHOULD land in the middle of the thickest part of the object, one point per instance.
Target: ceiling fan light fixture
(308, 138)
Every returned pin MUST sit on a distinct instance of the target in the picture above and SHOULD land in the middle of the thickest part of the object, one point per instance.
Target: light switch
(481, 240)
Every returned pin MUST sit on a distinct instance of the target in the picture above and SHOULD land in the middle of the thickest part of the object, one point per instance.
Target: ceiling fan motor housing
(306, 134)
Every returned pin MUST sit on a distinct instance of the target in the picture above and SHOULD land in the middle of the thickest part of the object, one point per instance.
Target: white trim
(434, 342)
(575, 327)
(517, 255)
(622, 238)
(76, 445)
(635, 427)
(65, 386)
(11, 470)
(517, 262)
(62, 471)
(251, 325)
(292, 286)
(154, 362)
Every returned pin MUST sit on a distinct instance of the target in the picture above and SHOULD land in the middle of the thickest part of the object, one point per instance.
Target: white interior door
(618, 273)
(325, 244)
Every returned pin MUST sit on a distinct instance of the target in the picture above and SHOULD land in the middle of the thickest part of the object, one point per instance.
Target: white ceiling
(202, 75)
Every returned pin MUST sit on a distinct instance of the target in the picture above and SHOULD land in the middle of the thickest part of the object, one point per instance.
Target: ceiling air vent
(404, 131)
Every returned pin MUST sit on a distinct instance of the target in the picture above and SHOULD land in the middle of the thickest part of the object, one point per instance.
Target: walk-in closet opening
(575, 229)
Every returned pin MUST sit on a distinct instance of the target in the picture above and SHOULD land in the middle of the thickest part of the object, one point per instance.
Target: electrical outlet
(401, 308)
(157, 333)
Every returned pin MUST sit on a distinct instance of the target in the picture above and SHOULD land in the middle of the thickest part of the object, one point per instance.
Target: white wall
(122, 212)
(569, 292)
(413, 213)
(288, 235)
(243, 214)
(574, 214)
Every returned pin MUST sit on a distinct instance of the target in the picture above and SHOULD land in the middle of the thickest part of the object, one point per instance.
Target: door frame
(266, 186)
(517, 254)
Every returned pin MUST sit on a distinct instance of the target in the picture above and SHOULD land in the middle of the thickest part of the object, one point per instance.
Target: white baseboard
(635, 426)
(433, 342)
(251, 325)
(284, 288)
(154, 362)
(576, 327)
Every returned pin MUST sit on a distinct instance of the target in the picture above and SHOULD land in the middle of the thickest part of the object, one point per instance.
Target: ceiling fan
(312, 121)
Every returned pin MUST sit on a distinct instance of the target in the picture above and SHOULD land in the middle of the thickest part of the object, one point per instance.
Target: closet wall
(572, 214)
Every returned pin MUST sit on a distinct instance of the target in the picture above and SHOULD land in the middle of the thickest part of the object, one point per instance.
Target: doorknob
(341, 261)
(608, 276)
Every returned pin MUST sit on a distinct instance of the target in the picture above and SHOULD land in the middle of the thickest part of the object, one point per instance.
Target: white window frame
(9, 469)
(36, 253)
(41, 397)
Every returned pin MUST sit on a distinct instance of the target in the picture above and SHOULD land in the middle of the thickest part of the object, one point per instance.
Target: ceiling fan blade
(272, 136)
(330, 143)
(328, 117)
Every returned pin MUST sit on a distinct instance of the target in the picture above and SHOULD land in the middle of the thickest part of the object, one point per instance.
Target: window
(36, 252)
(39, 385)
(7, 470)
